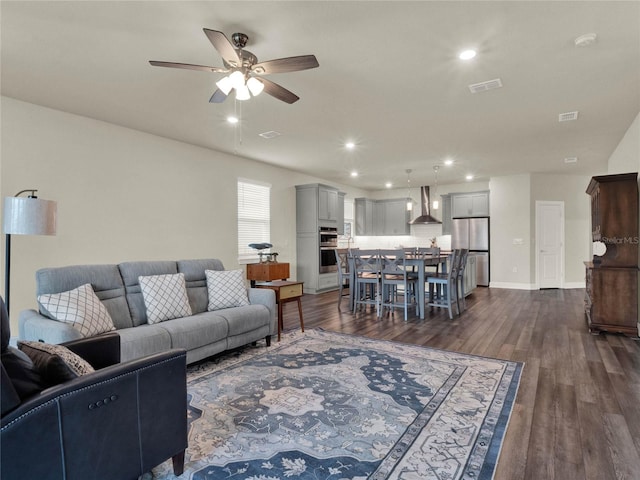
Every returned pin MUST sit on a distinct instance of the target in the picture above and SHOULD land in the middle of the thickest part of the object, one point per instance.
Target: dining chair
(462, 265)
(366, 264)
(342, 262)
(443, 286)
(394, 274)
(429, 251)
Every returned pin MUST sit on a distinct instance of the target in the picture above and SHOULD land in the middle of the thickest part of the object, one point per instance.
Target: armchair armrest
(103, 425)
(266, 297)
(36, 327)
(100, 351)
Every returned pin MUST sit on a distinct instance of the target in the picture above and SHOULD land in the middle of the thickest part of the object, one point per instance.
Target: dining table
(419, 263)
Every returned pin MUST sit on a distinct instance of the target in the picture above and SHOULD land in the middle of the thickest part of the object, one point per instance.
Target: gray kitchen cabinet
(394, 217)
(382, 217)
(364, 216)
(474, 204)
(470, 275)
(317, 206)
(340, 211)
(328, 204)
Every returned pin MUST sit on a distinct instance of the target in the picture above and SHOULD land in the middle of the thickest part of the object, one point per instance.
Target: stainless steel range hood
(425, 218)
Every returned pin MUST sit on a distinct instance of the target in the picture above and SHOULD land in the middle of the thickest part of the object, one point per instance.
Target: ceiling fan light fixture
(237, 79)
(255, 86)
(225, 85)
(242, 93)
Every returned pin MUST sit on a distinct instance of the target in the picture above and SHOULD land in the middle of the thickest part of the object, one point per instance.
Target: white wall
(509, 202)
(126, 195)
(626, 157)
(570, 189)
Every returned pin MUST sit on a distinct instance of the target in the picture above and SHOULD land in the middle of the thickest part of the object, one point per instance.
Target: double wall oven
(328, 242)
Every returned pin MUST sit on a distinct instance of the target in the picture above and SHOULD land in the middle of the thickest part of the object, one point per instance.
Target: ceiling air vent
(568, 116)
(270, 134)
(484, 86)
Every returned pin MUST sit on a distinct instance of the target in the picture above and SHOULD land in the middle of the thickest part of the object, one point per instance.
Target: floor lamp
(25, 216)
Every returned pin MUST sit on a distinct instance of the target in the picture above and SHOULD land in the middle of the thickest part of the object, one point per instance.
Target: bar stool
(366, 264)
(462, 303)
(445, 294)
(396, 274)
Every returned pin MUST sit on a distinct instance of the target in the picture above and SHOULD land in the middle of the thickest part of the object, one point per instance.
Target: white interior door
(549, 244)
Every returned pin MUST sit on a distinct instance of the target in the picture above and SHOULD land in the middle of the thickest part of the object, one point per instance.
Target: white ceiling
(389, 79)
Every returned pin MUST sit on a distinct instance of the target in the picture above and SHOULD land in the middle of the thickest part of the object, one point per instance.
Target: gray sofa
(203, 334)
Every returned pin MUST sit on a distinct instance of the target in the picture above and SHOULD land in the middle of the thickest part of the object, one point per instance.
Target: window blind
(254, 216)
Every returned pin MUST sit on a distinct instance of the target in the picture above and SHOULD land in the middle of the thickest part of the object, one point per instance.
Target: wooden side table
(286, 291)
(267, 271)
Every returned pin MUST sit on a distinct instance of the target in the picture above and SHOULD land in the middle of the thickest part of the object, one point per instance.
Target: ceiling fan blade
(279, 92)
(217, 97)
(283, 65)
(188, 66)
(223, 46)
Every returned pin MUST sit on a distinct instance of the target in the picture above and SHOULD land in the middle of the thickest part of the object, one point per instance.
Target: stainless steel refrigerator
(473, 233)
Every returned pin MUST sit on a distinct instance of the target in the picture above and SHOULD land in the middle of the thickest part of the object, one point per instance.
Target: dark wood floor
(577, 413)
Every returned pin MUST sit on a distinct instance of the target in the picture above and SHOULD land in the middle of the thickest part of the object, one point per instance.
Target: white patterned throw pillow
(165, 297)
(79, 307)
(226, 289)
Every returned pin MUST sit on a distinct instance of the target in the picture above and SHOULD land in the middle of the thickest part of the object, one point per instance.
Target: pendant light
(436, 203)
(410, 201)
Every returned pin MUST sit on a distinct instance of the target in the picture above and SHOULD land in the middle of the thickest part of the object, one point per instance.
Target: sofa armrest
(100, 351)
(266, 297)
(78, 428)
(36, 327)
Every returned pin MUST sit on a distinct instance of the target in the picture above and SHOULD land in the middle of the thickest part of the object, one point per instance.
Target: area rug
(328, 406)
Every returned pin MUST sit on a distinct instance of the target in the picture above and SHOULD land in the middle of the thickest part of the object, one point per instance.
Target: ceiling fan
(244, 71)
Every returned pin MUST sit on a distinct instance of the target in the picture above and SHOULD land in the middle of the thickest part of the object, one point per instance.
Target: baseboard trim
(513, 286)
(533, 286)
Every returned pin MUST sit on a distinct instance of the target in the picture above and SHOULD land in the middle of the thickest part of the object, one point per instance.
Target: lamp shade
(29, 216)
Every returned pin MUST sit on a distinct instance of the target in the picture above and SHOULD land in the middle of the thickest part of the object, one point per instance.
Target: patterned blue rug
(328, 406)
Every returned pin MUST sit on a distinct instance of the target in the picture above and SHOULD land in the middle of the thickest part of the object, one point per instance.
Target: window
(254, 217)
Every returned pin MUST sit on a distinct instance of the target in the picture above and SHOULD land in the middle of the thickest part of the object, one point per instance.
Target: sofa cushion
(197, 282)
(226, 289)
(195, 331)
(130, 272)
(56, 363)
(165, 297)
(104, 279)
(245, 319)
(79, 307)
(143, 340)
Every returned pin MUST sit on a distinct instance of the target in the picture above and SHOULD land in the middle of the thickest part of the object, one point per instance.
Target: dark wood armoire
(611, 302)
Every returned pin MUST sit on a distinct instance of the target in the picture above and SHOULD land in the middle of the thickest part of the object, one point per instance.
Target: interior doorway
(550, 244)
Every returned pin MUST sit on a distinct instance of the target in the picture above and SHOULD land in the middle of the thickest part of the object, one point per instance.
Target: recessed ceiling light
(354, 174)
(232, 119)
(469, 177)
(350, 145)
(570, 160)
(388, 184)
(448, 162)
(467, 54)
